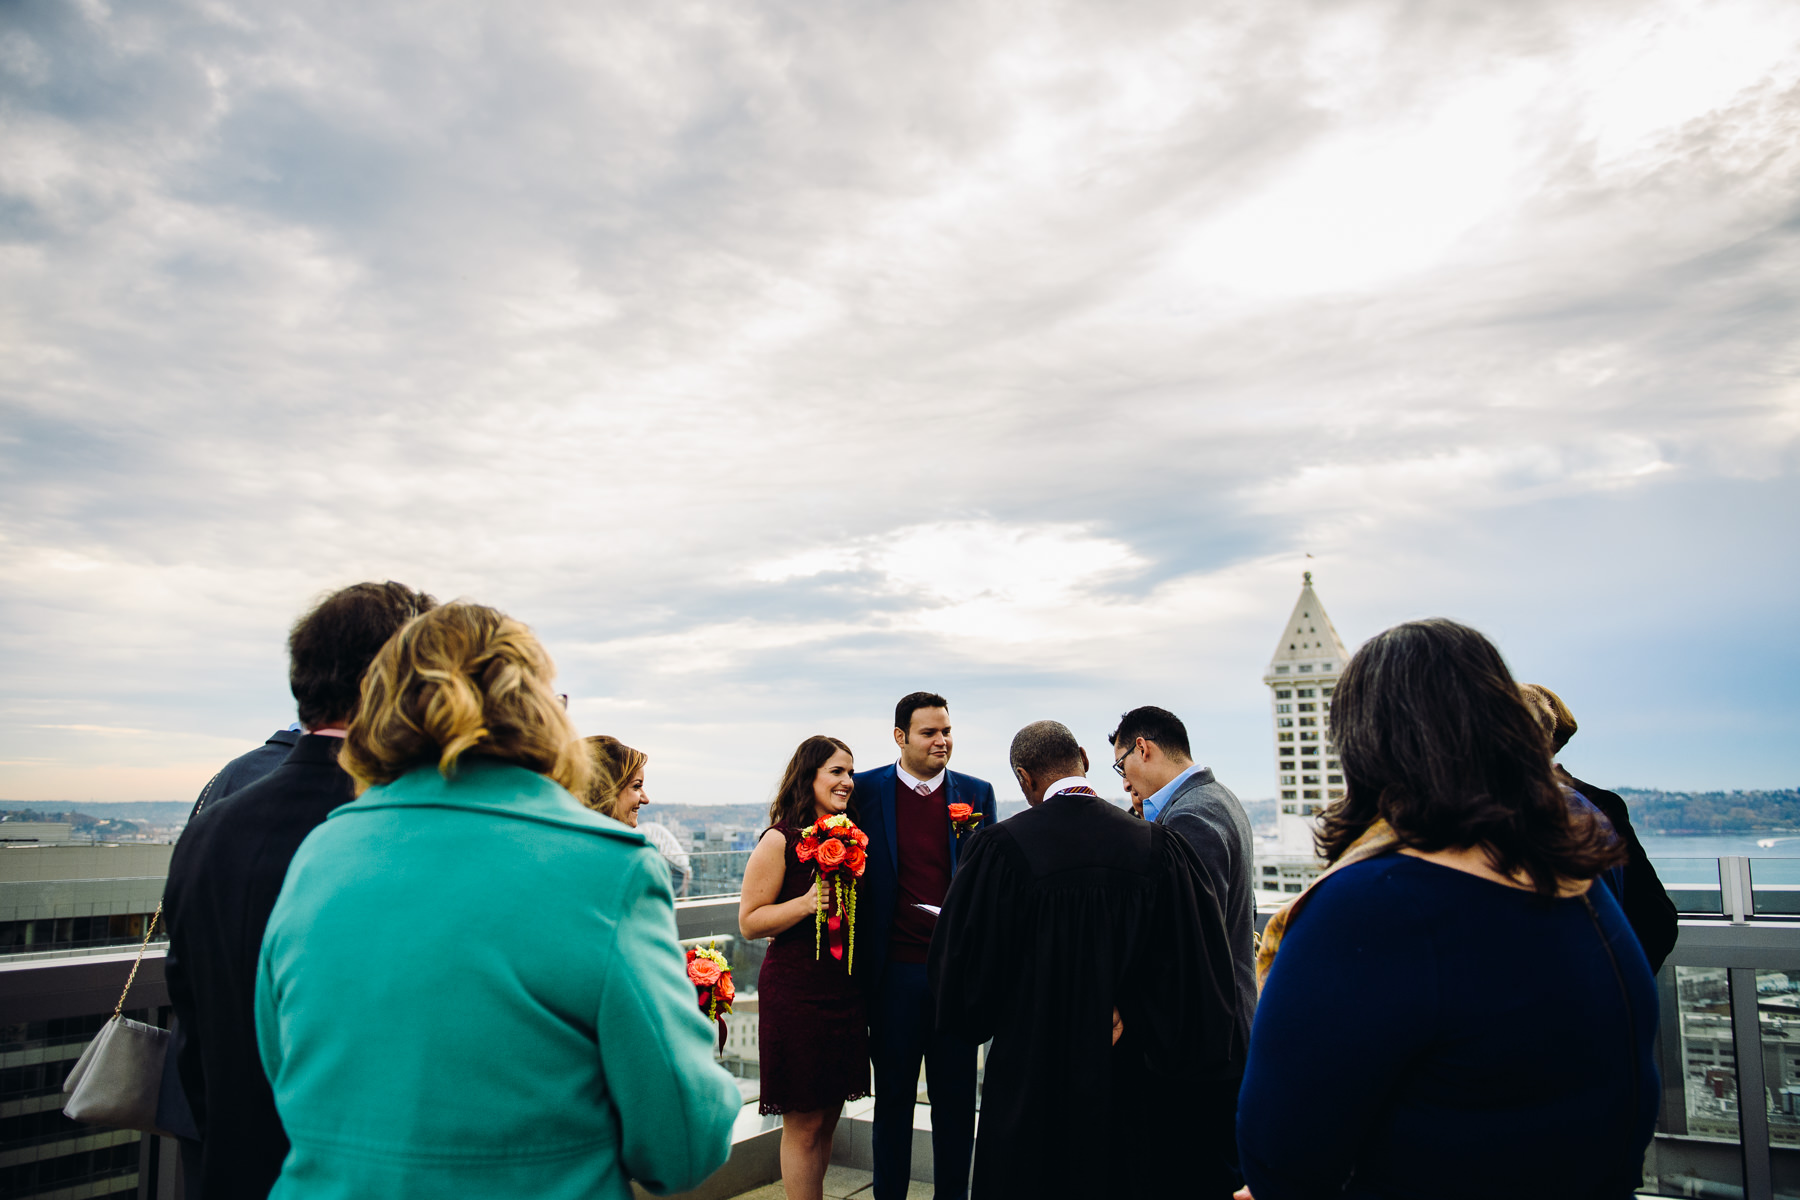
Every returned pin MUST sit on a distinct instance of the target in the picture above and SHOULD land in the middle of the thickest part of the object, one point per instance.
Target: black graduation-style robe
(1056, 916)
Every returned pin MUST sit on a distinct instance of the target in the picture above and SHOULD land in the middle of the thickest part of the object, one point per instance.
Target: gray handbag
(118, 1079)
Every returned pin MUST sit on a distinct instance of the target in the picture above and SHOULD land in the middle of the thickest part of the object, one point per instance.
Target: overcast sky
(773, 360)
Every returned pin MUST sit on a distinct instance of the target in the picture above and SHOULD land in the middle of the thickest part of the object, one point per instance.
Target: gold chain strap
(119, 1008)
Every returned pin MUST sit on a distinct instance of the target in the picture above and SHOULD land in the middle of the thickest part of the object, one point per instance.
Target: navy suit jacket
(874, 798)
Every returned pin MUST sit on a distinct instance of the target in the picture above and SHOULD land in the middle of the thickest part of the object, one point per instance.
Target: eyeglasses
(1119, 762)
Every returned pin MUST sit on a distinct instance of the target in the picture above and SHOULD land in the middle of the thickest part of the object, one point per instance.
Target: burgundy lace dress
(810, 1015)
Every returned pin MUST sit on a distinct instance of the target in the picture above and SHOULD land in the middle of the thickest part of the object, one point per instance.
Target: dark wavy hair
(333, 644)
(793, 803)
(1436, 738)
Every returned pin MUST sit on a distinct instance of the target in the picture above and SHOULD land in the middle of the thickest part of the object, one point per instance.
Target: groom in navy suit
(913, 851)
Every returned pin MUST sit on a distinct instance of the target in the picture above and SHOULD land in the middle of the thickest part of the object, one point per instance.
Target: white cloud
(765, 358)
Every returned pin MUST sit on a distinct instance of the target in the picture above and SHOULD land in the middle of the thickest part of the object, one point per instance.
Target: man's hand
(1118, 1027)
(1242, 1193)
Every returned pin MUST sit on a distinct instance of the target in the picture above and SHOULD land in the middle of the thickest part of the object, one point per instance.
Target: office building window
(1286, 737)
(1285, 722)
(1305, 693)
(1284, 694)
(1271, 871)
(1327, 690)
(1306, 666)
(1311, 793)
(1292, 887)
(1310, 779)
(1287, 779)
(1336, 793)
(1309, 720)
(1287, 794)
(1281, 670)
(1281, 708)
(1334, 779)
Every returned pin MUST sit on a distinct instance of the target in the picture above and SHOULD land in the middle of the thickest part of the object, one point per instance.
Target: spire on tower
(1309, 639)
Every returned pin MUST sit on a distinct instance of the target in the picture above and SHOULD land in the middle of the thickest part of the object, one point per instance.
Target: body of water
(1708, 845)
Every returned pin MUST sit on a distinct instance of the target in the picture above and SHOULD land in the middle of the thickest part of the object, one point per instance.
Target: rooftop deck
(1730, 1028)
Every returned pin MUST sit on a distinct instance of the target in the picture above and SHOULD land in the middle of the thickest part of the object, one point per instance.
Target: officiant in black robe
(1085, 942)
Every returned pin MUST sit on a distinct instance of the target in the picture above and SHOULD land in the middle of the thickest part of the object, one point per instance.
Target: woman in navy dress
(814, 1035)
(1464, 1015)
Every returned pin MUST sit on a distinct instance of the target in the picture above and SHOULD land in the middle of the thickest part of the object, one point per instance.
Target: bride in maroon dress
(815, 1040)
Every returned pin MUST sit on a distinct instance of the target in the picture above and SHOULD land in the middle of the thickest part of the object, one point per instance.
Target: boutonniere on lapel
(964, 819)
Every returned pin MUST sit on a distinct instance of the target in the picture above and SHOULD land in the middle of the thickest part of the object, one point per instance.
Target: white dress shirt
(930, 785)
(1063, 785)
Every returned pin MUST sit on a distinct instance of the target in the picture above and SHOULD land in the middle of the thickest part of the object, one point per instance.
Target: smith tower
(1302, 675)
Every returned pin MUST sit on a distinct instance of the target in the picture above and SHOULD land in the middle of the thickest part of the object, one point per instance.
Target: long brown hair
(462, 679)
(1436, 738)
(615, 764)
(793, 803)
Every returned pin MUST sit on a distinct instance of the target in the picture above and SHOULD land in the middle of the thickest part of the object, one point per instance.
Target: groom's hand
(1118, 1027)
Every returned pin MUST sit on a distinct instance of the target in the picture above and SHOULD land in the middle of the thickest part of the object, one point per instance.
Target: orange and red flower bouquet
(840, 852)
(708, 971)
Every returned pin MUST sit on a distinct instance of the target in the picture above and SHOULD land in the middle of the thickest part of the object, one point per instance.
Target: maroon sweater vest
(922, 836)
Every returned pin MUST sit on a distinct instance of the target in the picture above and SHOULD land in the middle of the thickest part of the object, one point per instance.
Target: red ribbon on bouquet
(834, 937)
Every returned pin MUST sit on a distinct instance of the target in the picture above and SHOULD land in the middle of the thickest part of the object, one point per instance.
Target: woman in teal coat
(471, 984)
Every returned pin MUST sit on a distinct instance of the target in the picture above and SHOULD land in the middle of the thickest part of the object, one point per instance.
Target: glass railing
(1775, 886)
(715, 873)
(1692, 883)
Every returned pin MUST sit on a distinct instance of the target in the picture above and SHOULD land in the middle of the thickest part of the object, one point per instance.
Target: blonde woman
(421, 1018)
(618, 791)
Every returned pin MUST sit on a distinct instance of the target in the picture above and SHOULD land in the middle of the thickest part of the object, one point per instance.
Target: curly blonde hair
(462, 679)
(615, 764)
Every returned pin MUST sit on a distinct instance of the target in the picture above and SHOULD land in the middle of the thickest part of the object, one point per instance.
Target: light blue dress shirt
(1154, 804)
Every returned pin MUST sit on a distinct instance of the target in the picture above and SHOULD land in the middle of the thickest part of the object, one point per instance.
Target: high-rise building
(1301, 677)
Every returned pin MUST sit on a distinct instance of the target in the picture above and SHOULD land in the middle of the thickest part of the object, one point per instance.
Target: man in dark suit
(249, 767)
(224, 877)
(1151, 753)
(914, 846)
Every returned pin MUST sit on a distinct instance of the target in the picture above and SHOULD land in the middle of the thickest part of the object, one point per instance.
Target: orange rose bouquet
(964, 819)
(840, 852)
(710, 974)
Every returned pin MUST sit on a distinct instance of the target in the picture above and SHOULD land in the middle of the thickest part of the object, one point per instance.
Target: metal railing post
(1734, 889)
(1753, 1101)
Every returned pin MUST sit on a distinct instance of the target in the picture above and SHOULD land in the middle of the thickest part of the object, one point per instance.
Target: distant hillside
(1713, 812)
(148, 812)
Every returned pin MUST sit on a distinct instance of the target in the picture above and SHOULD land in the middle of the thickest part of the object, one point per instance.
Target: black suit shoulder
(1646, 902)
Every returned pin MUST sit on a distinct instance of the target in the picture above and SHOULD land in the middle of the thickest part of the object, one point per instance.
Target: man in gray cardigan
(1150, 750)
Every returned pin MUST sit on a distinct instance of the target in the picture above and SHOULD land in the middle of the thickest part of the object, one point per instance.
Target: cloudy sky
(775, 359)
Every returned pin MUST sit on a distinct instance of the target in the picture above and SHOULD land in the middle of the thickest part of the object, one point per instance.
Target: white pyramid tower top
(1309, 639)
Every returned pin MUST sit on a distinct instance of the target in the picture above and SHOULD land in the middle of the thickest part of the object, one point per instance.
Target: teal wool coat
(472, 987)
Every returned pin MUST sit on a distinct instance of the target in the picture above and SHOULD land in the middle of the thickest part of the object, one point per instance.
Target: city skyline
(774, 363)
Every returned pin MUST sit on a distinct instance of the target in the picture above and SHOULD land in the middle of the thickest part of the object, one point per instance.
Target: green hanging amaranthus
(838, 849)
